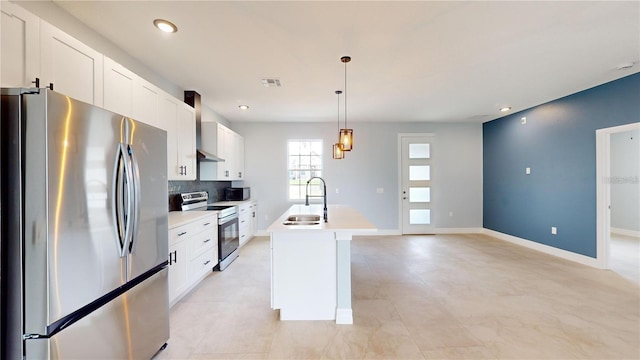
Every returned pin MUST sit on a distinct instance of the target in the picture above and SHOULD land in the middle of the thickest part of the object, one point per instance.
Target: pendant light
(346, 134)
(337, 147)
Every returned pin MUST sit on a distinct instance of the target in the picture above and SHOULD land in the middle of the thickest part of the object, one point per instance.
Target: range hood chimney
(192, 98)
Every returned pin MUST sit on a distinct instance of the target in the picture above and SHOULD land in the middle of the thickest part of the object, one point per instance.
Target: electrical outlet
(523, 120)
(380, 190)
(527, 171)
(554, 230)
(337, 191)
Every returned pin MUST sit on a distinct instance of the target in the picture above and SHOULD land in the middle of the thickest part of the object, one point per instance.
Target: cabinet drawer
(202, 242)
(185, 231)
(180, 233)
(201, 265)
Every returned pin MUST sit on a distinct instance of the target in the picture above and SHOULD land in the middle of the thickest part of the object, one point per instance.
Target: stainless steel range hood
(205, 156)
(193, 99)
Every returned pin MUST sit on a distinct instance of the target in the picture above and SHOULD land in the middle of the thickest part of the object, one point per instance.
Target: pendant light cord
(345, 95)
(338, 92)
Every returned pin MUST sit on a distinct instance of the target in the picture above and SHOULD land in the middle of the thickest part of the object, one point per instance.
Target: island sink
(301, 223)
(304, 217)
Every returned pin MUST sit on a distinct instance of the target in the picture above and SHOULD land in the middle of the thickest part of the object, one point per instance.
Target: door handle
(121, 205)
(135, 184)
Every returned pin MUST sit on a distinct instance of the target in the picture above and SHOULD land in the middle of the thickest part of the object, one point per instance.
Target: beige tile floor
(624, 256)
(420, 297)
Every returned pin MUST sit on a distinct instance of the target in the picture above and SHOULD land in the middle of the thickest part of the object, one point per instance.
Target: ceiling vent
(272, 82)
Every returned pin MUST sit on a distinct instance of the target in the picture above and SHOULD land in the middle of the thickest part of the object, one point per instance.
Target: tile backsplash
(214, 188)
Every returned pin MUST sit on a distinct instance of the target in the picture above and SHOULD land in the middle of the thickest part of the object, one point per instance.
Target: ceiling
(443, 61)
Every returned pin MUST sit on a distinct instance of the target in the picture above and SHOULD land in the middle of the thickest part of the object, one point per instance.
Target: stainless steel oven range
(228, 233)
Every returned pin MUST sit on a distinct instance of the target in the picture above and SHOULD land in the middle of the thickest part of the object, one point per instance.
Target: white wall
(625, 187)
(372, 164)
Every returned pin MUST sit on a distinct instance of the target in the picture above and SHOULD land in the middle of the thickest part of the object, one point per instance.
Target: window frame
(302, 179)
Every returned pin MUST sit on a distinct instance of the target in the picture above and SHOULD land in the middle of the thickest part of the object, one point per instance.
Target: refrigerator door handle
(121, 195)
(135, 184)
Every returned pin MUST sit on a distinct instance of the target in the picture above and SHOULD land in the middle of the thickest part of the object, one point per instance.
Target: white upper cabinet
(72, 67)
(119, 85)
(146, 102)
(20, 44)
(179, 119)
(186, 124)
(226, 144)
(238, 157)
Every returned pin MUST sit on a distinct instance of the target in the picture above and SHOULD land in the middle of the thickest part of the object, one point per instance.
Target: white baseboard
(398, 232)
(344, 316)
(458, 230)
(564, 254)
(625, 232)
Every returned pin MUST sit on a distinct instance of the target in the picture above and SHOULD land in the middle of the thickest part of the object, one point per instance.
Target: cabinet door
(222, 144)
(178, 265)
(239, 156)
(254, 219)
(74, 68)
(118, 88)
(168, 116)
(20, 44)
(186, 129)
(244, 223)
(146, 102)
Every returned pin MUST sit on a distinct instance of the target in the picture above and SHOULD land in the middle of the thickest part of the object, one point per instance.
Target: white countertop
(341, 218)
(233, 203)
(178, 218)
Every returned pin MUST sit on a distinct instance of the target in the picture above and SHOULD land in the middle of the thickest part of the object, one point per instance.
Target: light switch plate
(527, 171)
(554, 230)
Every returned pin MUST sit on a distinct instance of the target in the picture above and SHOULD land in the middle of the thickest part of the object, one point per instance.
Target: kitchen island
(311, 263)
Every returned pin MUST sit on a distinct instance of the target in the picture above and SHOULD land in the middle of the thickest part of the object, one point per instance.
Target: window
(304, 162)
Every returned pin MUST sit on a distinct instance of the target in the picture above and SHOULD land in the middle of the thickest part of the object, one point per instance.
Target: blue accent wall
(558, 143)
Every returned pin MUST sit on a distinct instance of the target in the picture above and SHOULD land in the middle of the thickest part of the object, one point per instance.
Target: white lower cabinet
(193, 252)
(177, 269)
(246, 221)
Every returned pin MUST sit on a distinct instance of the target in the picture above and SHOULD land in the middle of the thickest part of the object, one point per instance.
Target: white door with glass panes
(416, 173)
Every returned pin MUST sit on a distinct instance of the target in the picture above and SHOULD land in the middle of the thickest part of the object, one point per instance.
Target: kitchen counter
(178, 218)
(311, 264)
(341, 218)
(232, 203)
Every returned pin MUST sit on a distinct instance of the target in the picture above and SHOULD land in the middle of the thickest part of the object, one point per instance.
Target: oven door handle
(226, 219)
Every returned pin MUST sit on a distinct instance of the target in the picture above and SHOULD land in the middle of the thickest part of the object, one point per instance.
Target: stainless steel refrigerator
(83, 220)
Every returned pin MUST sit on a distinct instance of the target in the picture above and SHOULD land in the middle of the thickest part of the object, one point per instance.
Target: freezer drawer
(133, 326)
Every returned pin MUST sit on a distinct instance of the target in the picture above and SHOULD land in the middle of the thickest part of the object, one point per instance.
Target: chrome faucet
(324, 195)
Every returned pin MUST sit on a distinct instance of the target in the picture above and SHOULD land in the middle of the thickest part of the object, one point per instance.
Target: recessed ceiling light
(165, 26)
(244, 107)
(505, 109)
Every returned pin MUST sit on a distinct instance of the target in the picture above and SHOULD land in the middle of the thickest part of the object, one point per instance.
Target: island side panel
(304, 275)
(344, 314)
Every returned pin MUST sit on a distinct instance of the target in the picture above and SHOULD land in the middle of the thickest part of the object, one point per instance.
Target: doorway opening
(618, 205)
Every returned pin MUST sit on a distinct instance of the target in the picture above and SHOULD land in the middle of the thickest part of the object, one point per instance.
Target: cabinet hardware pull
(205, 224)
(51, 86)
(206, 241)
(175, 256)
(37, 82)
(182, 233)
(207, 262)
